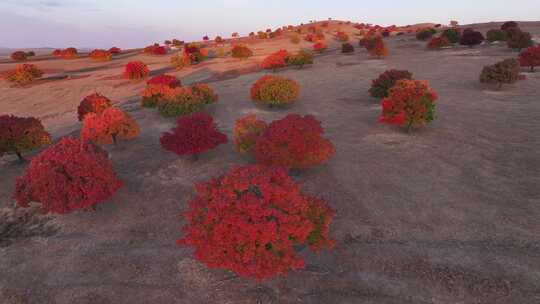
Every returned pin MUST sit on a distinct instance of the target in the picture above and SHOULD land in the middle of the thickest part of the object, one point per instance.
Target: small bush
(30, 54)
(94, 103)
(193, 135)
(347, 48)
(342, 36)
(69, 53)
(67, 176)
(101, 55)
(381, 86)
(295, 39)
(275, 60)
(530, 57)
(275, 91)
(425, 33)
(241, 51)
(293, 142)
(180, 61)
(24, 74)
(438, 42)
(136, 70)
(205, 93)
(300, 59)
(18, 56)
(319, 47)
(518, 39)
(114, 50)
(410, 103)
(262, 35)
(164, 79)
(452, 34)
(19, 135)
(496, 35)
(155, 94)
(57, 53)
(205, 38)
(379, 49)
(194, 52)
(218, 39)
(155, 50)
(508, 25)
(506, 71)
(246, 132)
(108, 126)
(471, 37)
(260, 216)
(185, 101)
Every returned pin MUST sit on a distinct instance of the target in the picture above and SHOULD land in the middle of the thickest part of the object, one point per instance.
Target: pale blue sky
(136, 23)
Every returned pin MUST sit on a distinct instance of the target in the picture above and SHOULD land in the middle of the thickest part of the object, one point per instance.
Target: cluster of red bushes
(251, 220)
(283, 58)
(69, 53)
(19, 56)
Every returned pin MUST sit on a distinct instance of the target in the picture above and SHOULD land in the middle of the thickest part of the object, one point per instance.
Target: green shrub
(496, 35)
(452, 34)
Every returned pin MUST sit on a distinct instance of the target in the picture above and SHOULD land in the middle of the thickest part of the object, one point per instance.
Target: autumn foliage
(518, 39)
(300, 59)
(275, 91)
(506, 71)
(94, 103)
(69, 53)
(293, 142)
(381, 86)
(67, 176)
(438, 42)
(275, 60)
(251, 221)
(19, 135)
(410, 103)
(193, 134)
(530, 57)
(185, 100)
(155, 50)
(24, 74)
(109, 126)
(164, 79)
(114, 50)
(101, 55)
(136, 70)
(319, 47)
(241, 51)
(379, 49)
(247, 131)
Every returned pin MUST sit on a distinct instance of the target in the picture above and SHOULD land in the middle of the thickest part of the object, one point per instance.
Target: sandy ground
(448, 214)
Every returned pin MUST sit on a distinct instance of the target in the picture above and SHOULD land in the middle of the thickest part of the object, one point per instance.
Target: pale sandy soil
(448, 214)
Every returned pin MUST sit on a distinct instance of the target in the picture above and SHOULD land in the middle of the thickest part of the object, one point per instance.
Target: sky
(137, 23)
